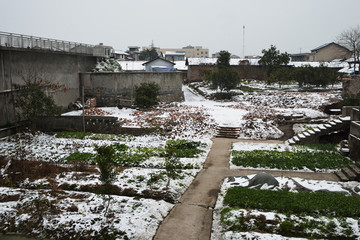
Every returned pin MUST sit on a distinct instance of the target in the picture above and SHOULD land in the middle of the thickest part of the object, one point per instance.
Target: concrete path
(191, 218)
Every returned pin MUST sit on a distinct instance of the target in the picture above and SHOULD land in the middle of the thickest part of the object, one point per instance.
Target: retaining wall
(117, 89)
(351, 87)
(55, 67)
(354, 141)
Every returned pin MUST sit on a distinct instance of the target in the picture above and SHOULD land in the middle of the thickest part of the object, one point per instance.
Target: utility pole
(243, 41)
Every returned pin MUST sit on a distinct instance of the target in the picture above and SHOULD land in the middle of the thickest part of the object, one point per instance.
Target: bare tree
(351, 39)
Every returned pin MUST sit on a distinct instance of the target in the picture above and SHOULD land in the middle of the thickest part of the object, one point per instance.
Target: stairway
(313, 135)
(351, 173)
(227, 132)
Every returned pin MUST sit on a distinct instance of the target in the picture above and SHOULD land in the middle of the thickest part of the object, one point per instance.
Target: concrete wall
(354, 141)
(55, 67)
(112, 88)
(351, 87)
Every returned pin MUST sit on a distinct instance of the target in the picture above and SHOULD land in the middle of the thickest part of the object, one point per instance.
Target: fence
(31, 42)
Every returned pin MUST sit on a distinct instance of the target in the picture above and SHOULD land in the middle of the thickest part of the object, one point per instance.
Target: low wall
(95, 124)
(351, 88)
(117, 89)
(355, 114)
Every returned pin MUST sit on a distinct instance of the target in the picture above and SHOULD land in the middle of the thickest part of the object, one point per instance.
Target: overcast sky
(290, 25)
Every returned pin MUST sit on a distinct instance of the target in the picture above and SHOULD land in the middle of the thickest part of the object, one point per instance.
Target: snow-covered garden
(46, 192)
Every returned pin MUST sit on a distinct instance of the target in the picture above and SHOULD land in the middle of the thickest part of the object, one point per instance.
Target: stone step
(316, 130)
(311, 131)
(301, 136)
(335, 111)
(306, 134)
(296, 139)
(341, 176)
(338, 121)
(327, 125)
(332, 123)
(355, 169)
(345, 119)
(291, 142)
(322, 127)
(349, 174)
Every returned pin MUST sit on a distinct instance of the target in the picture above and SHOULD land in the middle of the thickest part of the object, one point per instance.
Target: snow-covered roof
(132, 65)
(138, 65)
(158, 58)
(172, 53)
(121, 52)
(325, 45)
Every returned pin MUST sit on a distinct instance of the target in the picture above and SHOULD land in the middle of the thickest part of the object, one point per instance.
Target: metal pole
(83, 105)
(244, 41)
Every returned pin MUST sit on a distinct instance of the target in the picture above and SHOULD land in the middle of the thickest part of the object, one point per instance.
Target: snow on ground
(194, 119)
(83, 214)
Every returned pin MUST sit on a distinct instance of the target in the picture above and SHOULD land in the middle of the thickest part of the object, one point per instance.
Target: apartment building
(190, 51)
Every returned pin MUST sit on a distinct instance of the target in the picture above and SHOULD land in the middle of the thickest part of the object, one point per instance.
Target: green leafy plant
(105, 161)
(146, 95)
(289, 160)
(312, 203)
(31, 101)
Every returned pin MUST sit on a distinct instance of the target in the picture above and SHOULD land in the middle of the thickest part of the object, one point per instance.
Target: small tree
(31, 101)
(351, 39)
(148, 54)
(171, 162)
(225, 78)
(105, 160)
(281, 76)
(146, 95)
(272, 59)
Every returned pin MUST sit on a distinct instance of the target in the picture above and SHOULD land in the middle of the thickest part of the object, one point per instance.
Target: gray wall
(111, 88)
(58, 68)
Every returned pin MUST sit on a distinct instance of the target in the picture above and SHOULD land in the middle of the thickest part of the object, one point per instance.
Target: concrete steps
(313, 135)
(351, 173)
(227, 132)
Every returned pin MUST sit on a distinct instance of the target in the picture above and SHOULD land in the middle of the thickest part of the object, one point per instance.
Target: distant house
(134, 53)
(175, 56)
(300, 57)
(329, 52)
(120, 55)
(103, 51)
(159, 65)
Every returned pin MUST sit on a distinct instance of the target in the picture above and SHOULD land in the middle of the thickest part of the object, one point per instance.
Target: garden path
(191, 217)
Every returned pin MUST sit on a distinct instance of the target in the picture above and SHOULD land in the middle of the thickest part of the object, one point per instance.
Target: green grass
(289, 160)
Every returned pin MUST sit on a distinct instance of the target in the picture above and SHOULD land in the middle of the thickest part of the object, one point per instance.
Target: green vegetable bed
(289, 160)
